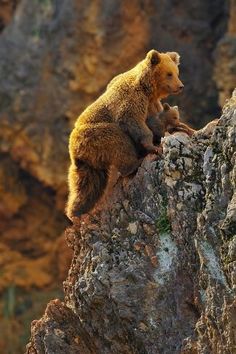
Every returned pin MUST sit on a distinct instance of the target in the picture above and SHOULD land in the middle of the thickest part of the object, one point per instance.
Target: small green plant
(162, 223)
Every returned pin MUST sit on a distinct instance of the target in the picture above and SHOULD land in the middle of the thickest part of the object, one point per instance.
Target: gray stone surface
(154, 266)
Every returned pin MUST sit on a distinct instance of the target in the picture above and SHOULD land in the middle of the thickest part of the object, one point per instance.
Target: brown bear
(167, 121)
(105, 132)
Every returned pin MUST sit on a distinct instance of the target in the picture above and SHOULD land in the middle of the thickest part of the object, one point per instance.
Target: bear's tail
(86, 186)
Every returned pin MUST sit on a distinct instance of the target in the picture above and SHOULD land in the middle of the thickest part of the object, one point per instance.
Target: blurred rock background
(56, 56)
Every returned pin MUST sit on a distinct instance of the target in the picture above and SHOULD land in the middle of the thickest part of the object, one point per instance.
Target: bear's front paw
(159, 150)
(154, 149)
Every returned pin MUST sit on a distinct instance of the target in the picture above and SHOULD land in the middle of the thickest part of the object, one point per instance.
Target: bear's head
(170, 116)
(164, 73)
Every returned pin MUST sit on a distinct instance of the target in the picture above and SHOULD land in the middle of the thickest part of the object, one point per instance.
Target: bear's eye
(169, 74)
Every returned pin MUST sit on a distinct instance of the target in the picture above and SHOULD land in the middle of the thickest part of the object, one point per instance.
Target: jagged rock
(64, 332)
(154, 268)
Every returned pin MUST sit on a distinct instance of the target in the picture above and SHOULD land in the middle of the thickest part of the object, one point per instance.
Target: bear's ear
(175, 57)
(166, 107)
(176, 108)
(153, 57)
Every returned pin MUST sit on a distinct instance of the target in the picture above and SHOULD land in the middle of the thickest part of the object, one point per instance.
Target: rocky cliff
(56, 56)
(153, 269)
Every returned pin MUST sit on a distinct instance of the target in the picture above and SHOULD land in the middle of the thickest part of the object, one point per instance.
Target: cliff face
(55, 58)
(153, 270)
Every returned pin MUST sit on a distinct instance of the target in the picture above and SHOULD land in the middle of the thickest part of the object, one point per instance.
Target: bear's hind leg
(129, 168)
(125, 159)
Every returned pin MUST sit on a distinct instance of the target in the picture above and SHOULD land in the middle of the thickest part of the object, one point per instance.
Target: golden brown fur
(105, 132)
(168, 120)
(93, 149)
